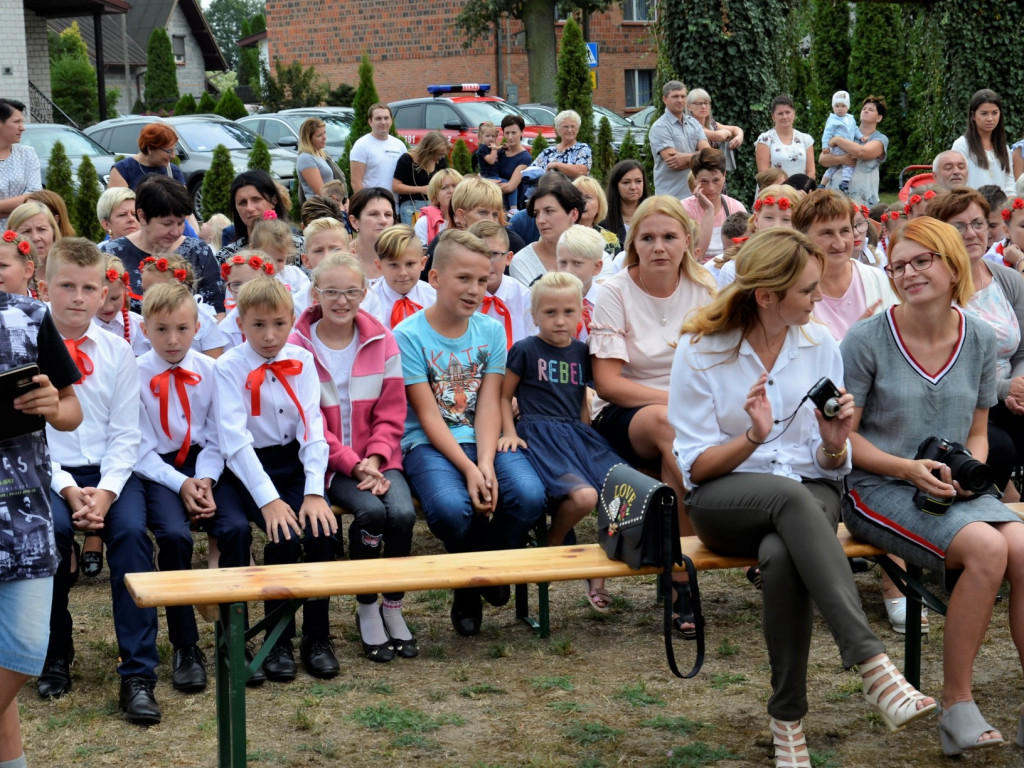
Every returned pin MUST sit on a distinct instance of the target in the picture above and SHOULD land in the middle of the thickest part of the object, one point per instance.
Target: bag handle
(670, 530)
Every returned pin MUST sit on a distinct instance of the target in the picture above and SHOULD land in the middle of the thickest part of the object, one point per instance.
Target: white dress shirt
(421, 293)
(209, 335)
(140, 344)
(709, 387)
(109, 434)
(516, 297)
(229, 327)
(155, 442)
(279, 422)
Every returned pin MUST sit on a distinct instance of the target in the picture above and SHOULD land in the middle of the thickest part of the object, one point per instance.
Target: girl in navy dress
(548, 374)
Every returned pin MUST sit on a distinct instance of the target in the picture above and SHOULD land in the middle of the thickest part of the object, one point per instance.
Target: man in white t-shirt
(374, 156)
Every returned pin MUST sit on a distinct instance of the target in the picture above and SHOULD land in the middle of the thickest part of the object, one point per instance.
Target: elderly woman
(556, 206)
(724, 138)
(116, 212)
(414, 171)
(595, 210)
(627, 188)
(434, 217)
(19, 165)
(34, 221)
(766, 473)
(158, 144)
(569, 156)
(315, 167)
(161, 206)
(865, 154)
(783, 146)
(254, 196)
(708, 205)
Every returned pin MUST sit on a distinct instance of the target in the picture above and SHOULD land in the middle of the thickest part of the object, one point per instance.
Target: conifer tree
(206, 104)
(161, 77)
(216, 190)
(461, 160)
(230, 106)
(572, 83)
(604, 153)
(59, 176)
(83, 215)
(259, 156)
(186, 105)
(538, 146)
(628, 150)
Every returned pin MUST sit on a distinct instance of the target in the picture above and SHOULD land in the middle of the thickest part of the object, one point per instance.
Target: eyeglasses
(351, 295)
(234, 285)
(498, 255)
(862, 227)
(170, 152)
(920, 263)
(978, 225)
(700, 103)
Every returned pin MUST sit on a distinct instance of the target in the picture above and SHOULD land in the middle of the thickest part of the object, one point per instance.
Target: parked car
(198, 136)
(42, 136)
(643, 118)
(545, 115)
(456, 111)
(283, 127)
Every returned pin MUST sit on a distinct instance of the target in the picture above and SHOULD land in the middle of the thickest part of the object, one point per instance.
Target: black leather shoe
(467, 611)
(407, 649)
(382, 653)
(137, 702)
(91, 564)
(497, 596)
(258, 678)
(55, 679)
(189, 675)
(318, 658)
(279, 665)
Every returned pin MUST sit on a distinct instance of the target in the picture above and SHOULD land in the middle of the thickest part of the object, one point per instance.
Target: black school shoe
(279, 665)
(137, 702)
(467, 611)
(189, 675)
(318, 657)
(55, 679)
(257, 678)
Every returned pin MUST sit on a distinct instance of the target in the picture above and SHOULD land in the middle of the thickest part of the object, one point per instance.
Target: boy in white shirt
(179, 458)
(271, 435)
(507, 301)
(580, 252)
(93, 487)
(400, 259)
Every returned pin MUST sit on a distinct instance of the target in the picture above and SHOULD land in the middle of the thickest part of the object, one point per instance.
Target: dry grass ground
(597, 693)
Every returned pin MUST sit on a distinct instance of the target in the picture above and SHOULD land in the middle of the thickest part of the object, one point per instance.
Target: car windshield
(493, 111)
(337, 127)
(75, 144)
(205, 135)
(613, 119)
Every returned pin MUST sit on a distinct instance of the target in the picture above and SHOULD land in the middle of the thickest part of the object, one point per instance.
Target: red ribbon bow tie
(588, 316)
(403, 308)
(159, 386)
(281, 368)
(82, 360)
(501, 309)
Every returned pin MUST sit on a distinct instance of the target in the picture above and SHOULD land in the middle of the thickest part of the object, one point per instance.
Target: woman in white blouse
(984, 144)
(765, 471)
(783, 146)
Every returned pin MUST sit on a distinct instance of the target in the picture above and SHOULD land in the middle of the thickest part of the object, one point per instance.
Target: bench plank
(408, 574)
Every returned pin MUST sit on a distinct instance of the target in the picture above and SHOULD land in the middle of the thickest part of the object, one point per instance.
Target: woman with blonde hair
(597, 211)
(922, 370)
(414, 171)
(34, 221)
(636, 321)
(57, 207)
(314, 165)
(765, 472)
(115, 211)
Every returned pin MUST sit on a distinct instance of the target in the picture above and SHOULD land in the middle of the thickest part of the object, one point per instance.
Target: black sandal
(682, 609)
(754, 576)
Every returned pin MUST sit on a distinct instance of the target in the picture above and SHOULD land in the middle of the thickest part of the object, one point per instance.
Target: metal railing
(43, 110)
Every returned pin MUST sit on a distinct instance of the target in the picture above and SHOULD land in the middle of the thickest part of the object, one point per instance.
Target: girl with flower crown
(209, 339)
(917, 202)
(17, 264)
(114, 315)
(239, 269)
(772, 208)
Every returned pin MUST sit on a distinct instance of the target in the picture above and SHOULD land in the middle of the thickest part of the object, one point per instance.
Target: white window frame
(639, 11)
(179, 59)
(633, 82)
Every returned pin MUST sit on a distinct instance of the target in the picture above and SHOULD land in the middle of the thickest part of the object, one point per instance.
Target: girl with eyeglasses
(363, 403)
(927, 368)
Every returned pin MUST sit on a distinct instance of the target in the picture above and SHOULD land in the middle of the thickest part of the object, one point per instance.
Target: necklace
(640, 277)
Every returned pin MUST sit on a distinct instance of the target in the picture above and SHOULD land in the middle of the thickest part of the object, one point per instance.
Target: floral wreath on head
(1016, 205)
(114, 276)
(782, 202)
(256, 262)
(929, 194)
(22, 244)
(892, 216)
(162, 265)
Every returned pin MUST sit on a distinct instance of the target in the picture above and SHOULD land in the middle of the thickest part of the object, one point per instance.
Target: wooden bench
(221, 594)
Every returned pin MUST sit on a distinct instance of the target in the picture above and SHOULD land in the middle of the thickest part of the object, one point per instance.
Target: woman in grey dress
(925, 368)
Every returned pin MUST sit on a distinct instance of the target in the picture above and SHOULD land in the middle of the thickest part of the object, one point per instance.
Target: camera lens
(972, 475)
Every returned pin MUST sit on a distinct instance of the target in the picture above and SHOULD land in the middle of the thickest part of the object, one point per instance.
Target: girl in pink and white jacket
(362, 397)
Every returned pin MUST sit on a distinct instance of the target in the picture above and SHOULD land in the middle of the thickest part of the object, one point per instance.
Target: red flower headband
(782, 202)
(24, 246)
(914, 199)
(256, 262)
(114, 276)
(161, 264)
(1016, 205)
(929, 194)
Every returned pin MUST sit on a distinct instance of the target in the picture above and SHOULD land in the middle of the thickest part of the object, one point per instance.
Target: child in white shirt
(400, 292)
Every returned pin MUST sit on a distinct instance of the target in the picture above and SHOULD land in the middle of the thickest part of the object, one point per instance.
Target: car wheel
(195, 188)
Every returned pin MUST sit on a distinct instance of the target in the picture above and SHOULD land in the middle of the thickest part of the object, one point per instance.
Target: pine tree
(461, 160)
(538, 146)
(138, 107)
(646, 157)
(186, 105)
(259, 156)
(216, 191)
(59, 178)
(572, 83)
(604, 153)
(206, 104)
(366, 94)
(628, 150)
(295, 209)
(161, 77)
(72, 77)
(83, 216)
(230, 106)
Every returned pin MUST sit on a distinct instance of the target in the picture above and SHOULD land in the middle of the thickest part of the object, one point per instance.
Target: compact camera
(825, 397)
(971, 474)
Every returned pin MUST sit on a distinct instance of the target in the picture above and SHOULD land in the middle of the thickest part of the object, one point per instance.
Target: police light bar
(478, 88)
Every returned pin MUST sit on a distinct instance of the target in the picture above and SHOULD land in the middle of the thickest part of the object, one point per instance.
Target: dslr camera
(825, 397)
(971, 474)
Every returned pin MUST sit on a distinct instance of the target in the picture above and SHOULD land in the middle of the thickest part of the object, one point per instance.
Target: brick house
(413, 43)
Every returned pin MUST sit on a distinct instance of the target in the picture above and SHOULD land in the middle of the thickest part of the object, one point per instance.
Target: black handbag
(637, 525)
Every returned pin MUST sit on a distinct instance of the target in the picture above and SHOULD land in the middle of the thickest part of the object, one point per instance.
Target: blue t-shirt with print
(454, 368)
(552, 380)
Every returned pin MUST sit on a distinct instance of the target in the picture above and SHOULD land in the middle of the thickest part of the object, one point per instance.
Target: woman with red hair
(158, 144)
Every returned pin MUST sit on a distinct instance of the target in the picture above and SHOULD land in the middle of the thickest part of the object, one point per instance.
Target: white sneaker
(896, 609)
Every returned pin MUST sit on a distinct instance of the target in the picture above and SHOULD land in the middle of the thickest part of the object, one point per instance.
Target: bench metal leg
(231, 674)
(542, 624)
(910, 584)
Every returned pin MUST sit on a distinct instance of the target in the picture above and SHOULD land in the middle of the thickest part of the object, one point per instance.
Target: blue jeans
(408, 209)
(441, 489)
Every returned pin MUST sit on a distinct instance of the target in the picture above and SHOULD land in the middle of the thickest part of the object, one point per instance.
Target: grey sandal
(961, 727)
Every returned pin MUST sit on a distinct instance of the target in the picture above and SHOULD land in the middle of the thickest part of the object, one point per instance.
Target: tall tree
(366, 94)
(830, 58)
(292, 86)
(83, 214)
(225, 18)
(161, 77)
(572, 84)
(59, 175)
(73, 79)
(249, 58)
(216, 190)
